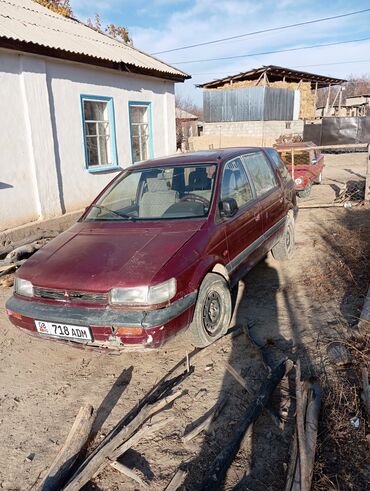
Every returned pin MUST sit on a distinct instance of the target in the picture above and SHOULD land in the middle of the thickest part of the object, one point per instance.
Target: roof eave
(38, 49)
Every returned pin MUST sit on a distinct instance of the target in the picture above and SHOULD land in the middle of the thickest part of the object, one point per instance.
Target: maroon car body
(72, 276)
(308, 165)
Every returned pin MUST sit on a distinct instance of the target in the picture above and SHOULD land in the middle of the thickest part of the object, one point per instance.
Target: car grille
(70, 296)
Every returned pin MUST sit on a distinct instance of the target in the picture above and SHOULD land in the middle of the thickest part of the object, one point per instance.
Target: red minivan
(308, 165)
(158, 252)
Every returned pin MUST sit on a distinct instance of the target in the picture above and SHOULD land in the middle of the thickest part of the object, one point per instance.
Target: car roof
(200, 157)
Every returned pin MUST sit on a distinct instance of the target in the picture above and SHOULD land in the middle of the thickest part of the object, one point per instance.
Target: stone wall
(244, 133)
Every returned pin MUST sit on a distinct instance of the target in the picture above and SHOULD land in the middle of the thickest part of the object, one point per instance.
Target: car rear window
(274, 155)
(260, 170)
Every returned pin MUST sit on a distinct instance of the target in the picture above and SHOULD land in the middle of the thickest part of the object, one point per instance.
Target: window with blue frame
(99, 132)
(141, 131)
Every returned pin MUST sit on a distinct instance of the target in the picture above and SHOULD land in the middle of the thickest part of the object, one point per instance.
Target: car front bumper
(151, 327)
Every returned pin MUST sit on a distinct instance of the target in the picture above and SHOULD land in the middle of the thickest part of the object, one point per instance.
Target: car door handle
(257, 217)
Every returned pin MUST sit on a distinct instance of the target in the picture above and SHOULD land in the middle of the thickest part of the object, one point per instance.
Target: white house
(76, 107)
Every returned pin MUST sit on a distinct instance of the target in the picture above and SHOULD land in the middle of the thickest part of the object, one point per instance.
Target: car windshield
(181, 191)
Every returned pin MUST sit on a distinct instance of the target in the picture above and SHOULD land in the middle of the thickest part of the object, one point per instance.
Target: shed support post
(315, 100)
(367, 184)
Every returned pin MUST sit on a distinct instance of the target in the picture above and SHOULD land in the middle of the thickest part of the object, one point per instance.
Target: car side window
(235, 183)
(261, 172)
(275, 157)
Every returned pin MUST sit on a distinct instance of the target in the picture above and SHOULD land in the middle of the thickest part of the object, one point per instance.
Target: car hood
(98, 257)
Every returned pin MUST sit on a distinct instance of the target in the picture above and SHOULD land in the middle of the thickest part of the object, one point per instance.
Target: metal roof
(182, 114)
(26, 25)
(274, 73)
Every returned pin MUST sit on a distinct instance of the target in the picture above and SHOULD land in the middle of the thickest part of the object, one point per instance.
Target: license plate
(65, 331)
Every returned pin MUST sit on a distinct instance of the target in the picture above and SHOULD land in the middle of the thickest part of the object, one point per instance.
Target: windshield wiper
(121, 215)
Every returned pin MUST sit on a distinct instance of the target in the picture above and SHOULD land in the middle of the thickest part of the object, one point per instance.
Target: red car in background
(158, 251)
(308, 165)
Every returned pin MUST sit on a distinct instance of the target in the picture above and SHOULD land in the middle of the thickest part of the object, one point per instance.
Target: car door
(244, 229)
(268, 190)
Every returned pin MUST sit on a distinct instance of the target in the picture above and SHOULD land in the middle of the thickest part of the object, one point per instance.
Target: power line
(268, 52)
(298, 66)
(271, 29)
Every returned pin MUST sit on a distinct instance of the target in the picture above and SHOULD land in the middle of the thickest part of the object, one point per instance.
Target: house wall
(244, 133)
(41, 132)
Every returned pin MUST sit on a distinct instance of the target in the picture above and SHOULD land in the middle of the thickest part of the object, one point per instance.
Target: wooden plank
(109, 451)
(349, 146)
(205, 425)
(177, 480)
(76, 441)
(218, 469)
(123, 469)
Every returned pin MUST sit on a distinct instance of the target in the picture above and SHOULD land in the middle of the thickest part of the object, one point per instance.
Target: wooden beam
(77, 438)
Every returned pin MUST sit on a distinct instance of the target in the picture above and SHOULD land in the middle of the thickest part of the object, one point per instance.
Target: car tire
(318, 179)
(306, 191)
(212, 312)
(284, 249)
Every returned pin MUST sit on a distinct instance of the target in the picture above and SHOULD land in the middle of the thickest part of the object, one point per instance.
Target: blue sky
(159, 25)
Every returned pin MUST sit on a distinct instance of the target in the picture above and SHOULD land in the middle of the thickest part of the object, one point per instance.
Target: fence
(338, 131)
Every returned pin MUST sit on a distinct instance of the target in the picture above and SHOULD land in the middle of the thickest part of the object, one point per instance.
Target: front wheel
(306, 191)
(212, 312)
(283, 250)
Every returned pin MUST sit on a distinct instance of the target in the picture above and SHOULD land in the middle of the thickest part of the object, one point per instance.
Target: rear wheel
(212, 311)
(283, 250)
(306, 191)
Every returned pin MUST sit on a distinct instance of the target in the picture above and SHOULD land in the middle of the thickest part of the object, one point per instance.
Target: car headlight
(144, 295)
(298, 181)
(23, 287)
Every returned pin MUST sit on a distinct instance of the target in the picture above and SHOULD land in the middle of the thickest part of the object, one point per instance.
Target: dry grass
(342, 458)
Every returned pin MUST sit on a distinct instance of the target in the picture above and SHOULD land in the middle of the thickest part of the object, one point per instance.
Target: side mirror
(228, 207)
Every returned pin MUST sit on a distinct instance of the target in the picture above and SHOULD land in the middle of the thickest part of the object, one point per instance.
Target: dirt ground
(295, 308)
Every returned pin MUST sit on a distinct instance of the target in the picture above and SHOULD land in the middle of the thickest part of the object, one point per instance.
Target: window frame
(218, 217)
(148, 105)
(112, 129)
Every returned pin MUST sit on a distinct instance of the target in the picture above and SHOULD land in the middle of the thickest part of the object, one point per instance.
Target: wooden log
(220, 465)
(274, 418)
(293, 460)
(177, 480)
(300, 412)
(311, 426)
(67, 456)
(123, 469)
(366, 390)
(205, 425)
(93, 465)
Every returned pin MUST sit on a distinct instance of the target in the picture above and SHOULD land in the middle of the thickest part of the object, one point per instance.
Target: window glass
(261, 172)
(235, 183)
(274, 155)
(157, 193)
(140, 132)
(97, 133)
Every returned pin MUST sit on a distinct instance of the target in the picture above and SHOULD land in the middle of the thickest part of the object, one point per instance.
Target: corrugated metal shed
(25, 24)
(248, 104)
